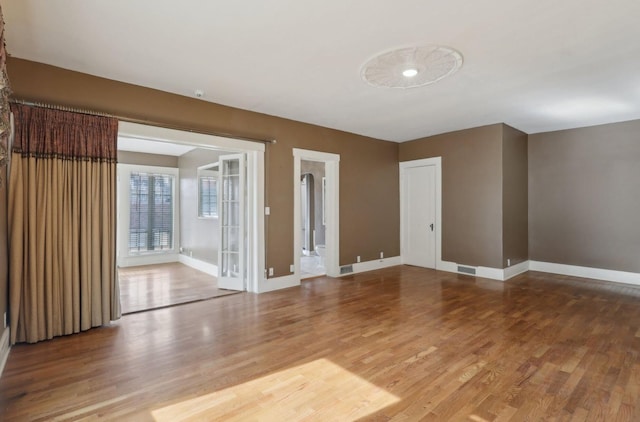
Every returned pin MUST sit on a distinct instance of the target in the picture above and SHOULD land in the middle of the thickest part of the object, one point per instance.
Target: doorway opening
(316, 205)
(189, 208)
(312, 218)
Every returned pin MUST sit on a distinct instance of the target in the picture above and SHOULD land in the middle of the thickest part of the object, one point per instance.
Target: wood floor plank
(401, 344)
(157, 286)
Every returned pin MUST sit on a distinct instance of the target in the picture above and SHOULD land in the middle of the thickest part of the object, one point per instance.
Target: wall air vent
(466, 270)
(346, 269)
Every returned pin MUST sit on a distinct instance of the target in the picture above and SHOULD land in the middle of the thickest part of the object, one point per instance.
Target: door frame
(255, 257)
(332, 208)
(404, 166)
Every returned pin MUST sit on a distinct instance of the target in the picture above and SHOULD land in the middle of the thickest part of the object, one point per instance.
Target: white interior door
(231, 216)
(420, 216)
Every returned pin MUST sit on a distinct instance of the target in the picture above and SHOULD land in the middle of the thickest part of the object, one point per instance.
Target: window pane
(208, 195)
(151, 212)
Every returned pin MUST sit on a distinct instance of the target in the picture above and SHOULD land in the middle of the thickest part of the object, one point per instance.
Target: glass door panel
(231, 254)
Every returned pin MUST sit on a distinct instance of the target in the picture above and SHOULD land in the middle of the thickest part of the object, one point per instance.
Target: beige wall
(199, 237)
(515, 226)
(471, 192)
(144, 159)
(369, 217)
(584, 196)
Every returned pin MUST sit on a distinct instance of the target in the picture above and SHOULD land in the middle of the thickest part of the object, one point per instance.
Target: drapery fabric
(62, 223)
(4, 141)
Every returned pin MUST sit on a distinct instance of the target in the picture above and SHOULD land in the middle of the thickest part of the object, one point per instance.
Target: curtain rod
(139, 121)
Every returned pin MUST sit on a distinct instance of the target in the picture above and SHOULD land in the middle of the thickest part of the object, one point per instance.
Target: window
(208, 191)
(151, 209)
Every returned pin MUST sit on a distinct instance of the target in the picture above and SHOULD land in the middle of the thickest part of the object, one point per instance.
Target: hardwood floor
(401, 344)
(157, 286)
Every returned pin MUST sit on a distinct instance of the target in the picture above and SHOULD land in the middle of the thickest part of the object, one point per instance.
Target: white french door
(231, 217)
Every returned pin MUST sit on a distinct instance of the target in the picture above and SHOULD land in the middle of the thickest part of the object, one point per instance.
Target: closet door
(419, 216)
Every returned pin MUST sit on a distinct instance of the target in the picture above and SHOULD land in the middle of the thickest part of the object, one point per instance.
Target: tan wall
(369, 217)
(515, 226)
(471, 192)
(584, 196)
(144, 159)
(198, 236)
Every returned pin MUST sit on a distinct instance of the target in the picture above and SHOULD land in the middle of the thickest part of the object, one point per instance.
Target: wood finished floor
(157, 286)
(401, 344)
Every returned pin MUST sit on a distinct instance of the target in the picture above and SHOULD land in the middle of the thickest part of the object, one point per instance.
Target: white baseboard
(450, 267)
(586, 272)
(378, 264)
(5, 347)
(548, 267)
(205, 267)
(152, 259)
(517, 269)
(277, 283)
(487, 272)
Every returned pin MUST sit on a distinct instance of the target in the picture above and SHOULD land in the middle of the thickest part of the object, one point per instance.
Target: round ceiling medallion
(411, 67)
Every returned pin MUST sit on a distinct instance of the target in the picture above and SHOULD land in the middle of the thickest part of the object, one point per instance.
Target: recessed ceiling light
(411, 67)
(409, 73)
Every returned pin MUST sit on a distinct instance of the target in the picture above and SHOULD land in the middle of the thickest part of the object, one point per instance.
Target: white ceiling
(536, 65)
(152, 147)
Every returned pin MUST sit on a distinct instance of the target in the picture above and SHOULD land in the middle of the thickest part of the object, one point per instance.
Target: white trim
(378, 264)
(549, 267)
(332, 228)
(5, 348)
(255, 183)
(586, 272)
(516, 269)
(205, 267)
(488, 272)
(255, 275)
(448, 266)
(147, 259)
(437, 162)
(160, 134)
(278, 283)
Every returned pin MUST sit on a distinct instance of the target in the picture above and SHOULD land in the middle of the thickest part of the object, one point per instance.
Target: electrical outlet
(292, 268)
(508, 262)
(267, 210)
(4, 320)
(358, 258)
(381, 255)
(271, 272)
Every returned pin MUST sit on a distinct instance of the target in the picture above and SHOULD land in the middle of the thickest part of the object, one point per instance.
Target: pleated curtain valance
(43, 132)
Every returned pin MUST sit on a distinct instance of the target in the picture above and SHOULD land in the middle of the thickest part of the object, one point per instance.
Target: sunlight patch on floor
(316, 390)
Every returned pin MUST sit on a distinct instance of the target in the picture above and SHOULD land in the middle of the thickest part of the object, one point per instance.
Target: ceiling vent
(411, 67)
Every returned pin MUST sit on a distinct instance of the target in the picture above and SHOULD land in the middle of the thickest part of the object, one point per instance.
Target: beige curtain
(4, 140)
(62, 223)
